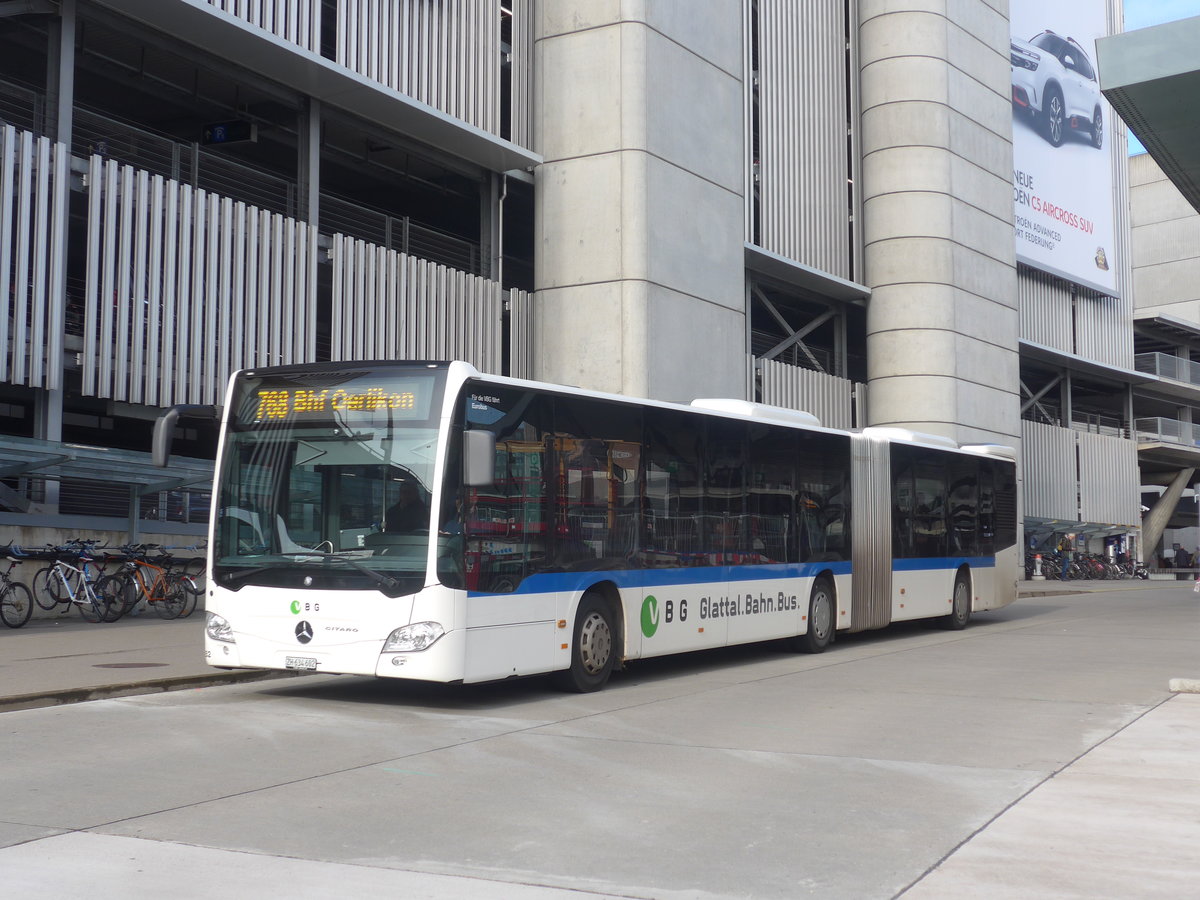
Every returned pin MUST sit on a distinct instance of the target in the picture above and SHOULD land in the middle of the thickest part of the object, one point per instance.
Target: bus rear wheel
(960, 604)
(592, 647)
(819, 634)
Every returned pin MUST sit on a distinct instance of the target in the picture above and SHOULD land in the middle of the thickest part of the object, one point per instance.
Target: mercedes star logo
(304, 632)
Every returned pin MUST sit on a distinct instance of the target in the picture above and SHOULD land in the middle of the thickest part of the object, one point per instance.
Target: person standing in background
(1065, 546)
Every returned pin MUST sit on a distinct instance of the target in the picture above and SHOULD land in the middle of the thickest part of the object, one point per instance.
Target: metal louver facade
(297, 21)
(387, 305)
(798, 163)
(828, 397)
(184, 287)
(34, 185)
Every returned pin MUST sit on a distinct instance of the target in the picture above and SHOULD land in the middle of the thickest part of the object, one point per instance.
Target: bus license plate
(300, 662)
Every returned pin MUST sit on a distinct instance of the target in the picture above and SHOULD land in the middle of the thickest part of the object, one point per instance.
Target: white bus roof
(907, 436)
(747, 409)
(759, 411)
(1001, 450)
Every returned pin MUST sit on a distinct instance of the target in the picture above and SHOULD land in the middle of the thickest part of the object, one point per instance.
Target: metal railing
(1169, 431)
(187, 163)
(21, 105)
(1166, 366)
(399, 233)
(1097, 423)
(250, 184)
(96, 133)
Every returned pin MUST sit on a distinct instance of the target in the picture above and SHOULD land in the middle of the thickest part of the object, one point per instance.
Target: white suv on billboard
(1054, 81)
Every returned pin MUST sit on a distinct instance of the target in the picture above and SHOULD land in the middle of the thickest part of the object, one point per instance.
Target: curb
(1064, 592)
(1184, 685)
(155, 686)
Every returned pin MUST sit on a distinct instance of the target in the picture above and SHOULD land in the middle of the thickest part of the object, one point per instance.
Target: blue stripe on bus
(550, 582)
(945, 562)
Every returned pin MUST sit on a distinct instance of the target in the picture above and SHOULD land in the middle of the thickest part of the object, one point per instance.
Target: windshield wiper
(385, 581)
(230, 577)
(388, 583)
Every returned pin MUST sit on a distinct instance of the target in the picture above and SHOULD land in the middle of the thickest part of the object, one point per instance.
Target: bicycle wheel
(191, 594)
(110, 595)
(47, 588)
(174, 600)
(129, 592)
(91, 607)
(16, 605)
(194, 568)
(192, 583)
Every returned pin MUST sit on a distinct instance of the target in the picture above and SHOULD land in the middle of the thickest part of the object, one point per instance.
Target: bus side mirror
(479, 458)
(164, 428)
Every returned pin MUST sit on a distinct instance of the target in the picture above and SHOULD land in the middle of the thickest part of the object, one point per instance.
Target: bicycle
(192, 566)
(16, 602)
(191, 571)
(98, 599)
(170, 594)
(47, 589)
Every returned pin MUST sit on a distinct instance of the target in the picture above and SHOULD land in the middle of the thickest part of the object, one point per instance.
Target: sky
(1144, 13)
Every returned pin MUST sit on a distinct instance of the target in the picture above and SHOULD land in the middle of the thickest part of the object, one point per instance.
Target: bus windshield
(326, 478)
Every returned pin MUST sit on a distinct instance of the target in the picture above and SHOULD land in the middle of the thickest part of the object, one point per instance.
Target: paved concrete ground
(1134, 797)
(1122, 821)
(65, 659)
(1119, 820)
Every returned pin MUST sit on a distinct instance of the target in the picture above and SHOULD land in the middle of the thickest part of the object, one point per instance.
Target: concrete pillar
(493, 191)
(942, 324)
(639, 217)
(1154, 523)
(308, 163)
(60, 73)
(60, 80)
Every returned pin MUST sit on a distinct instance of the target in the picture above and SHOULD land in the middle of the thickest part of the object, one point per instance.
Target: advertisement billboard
(1062, 161)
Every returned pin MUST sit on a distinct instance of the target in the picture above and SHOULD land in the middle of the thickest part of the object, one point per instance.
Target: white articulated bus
(426, 521)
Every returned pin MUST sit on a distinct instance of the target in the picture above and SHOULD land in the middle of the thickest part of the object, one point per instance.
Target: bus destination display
(363, 399)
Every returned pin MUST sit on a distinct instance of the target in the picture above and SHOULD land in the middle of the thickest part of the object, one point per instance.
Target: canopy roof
(1151, 77)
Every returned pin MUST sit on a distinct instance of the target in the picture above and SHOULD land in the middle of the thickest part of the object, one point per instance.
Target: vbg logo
(649, 615)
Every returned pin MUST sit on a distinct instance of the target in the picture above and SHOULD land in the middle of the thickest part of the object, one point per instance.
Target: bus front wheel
(592, 647)
(821, 618)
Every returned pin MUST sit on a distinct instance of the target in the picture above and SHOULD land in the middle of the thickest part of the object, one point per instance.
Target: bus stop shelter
(51, 484)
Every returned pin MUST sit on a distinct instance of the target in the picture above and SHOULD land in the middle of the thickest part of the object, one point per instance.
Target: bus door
(598, 519)
(689, 537)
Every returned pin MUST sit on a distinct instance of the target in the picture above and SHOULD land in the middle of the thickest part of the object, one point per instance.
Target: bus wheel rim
(822, 614)
(595, 643)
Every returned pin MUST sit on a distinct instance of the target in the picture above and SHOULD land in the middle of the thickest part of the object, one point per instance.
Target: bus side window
(506, 524)
(775, 507)
(929, 512)
(724, 491)
(1005, 492)
(674, 456)
(597, 467)
(824, 462)
(987, 511)
(964, 506)
(902, 503)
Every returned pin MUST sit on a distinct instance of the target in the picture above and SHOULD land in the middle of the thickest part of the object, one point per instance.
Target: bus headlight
(411, 638)
(218, 629)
